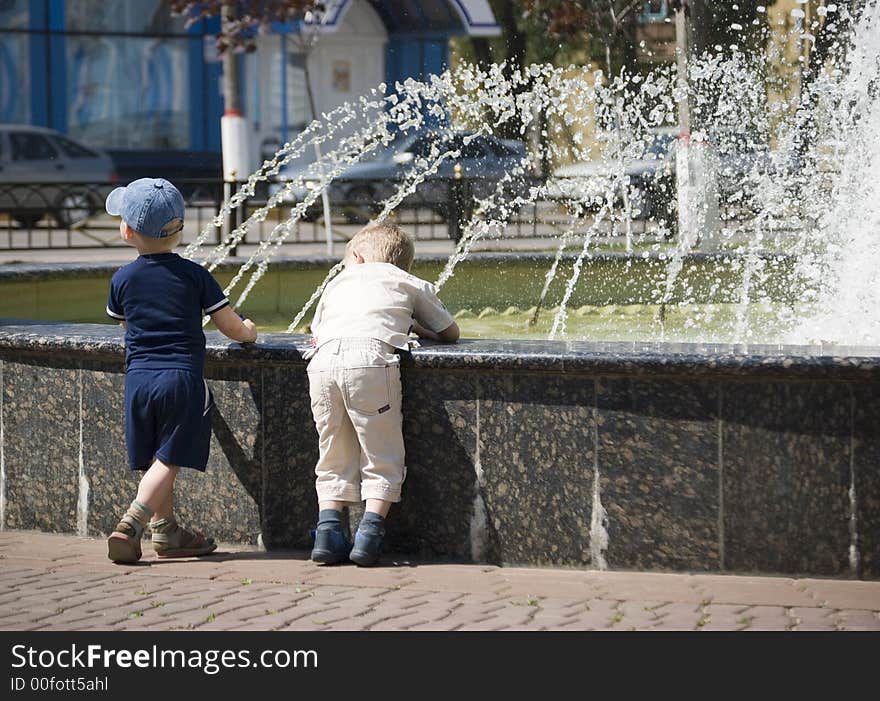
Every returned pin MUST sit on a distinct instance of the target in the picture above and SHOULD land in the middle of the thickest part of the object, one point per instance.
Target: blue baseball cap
(151, 206)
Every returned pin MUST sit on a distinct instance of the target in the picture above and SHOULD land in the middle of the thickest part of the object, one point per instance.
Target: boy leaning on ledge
(364, 317)
(160, 299)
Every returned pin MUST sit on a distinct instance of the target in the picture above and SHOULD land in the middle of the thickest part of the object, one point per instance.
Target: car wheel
(29, 220)
(641, 204)
(313, 213)
(456, 205)
(360, 205)
(455, 219)
(73, 208)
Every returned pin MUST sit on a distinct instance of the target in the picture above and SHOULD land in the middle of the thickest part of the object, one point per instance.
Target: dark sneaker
(331, 546)
(367, 546)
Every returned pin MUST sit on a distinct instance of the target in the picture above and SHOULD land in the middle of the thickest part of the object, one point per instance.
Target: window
(14, 14)
(73, 149)
(421, 147)
(654, 11)
(131, 16)
(30, 147)
(502, 150)
(15, 77)
(473, 149)
(468, 150)
(128, 92)
(660, 146)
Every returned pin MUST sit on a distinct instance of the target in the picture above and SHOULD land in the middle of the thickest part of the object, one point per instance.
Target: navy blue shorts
(167, 416)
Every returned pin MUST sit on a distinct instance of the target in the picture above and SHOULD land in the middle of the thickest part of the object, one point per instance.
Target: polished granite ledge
(511, 449)
(10, 272)
(105, 341)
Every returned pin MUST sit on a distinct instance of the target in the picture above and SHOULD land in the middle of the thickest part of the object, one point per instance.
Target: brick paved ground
(62, 582)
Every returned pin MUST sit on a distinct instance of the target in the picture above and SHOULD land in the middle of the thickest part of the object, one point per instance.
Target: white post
(234, 132)
(235, 139)
(695, 173)
(687, 234)
(325, 197)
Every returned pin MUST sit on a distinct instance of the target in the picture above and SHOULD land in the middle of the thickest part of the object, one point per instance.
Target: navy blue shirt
(162, 298)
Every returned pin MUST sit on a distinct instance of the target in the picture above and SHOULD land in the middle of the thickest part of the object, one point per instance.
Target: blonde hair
(383, 242)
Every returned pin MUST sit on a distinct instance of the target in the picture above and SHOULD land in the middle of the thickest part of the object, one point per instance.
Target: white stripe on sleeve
(114, 315)
(213, 308)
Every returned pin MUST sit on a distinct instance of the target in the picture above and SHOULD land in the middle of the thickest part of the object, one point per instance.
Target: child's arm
(422, 332)
(233, 326)
(448, 335)
(430, 313)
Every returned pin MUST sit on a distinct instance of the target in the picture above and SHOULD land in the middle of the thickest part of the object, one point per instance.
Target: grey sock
(329, 519)
(141, 512)
(137, 517)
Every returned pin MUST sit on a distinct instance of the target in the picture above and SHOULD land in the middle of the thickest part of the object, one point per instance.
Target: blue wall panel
(39, 66)
(213, 102)
(196, 91)
(414, 57)
(57, 68)
(435, 56)
(47, 100)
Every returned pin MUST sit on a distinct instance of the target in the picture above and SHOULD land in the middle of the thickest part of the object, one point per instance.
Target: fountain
(699, 400)
(758, 275)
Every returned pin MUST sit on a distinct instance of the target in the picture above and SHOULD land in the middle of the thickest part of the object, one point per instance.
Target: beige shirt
(377, 300)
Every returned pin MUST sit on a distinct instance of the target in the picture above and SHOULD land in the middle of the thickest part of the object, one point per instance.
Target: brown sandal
(173, 540)
(122, 545)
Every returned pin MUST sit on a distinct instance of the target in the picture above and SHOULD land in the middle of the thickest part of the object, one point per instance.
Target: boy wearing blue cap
(160, 299)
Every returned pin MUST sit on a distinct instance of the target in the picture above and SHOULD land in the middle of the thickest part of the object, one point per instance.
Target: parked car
(162, 130)
(360, 189)
(197, 174)
(45, 172)
(651, 177)
(652, 185)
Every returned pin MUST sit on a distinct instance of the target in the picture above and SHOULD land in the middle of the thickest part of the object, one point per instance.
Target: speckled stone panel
(536, 455)
(112, 486)
(290, 451)
(796, 425)
(225, 500)
(440, 491)
(786, 477)
(658, 466)
(866, 468)
(41, 446)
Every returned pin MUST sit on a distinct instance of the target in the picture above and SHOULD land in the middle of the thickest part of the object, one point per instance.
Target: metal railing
(50, 215)
(58, 215)
(70, 215)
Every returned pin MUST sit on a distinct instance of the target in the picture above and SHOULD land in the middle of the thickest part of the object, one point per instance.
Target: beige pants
(356, 402)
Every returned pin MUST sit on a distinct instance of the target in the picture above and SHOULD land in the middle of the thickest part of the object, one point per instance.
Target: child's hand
(233, 325)
(251, 330)
(422, 332)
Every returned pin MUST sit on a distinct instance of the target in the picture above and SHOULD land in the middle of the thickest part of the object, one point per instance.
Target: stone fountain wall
(678, 458)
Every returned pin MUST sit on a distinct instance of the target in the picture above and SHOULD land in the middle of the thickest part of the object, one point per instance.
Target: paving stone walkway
(64, 582)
